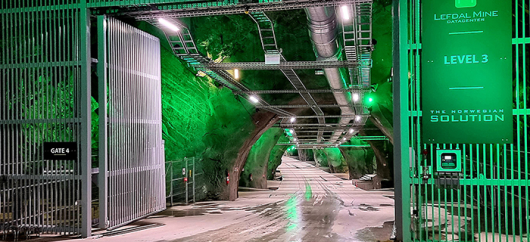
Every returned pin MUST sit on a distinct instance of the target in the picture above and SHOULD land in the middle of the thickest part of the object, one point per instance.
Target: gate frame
(401, 124)
(104, 76)
(403, 155)
(86, 119)
(83, 25)
(103, 120)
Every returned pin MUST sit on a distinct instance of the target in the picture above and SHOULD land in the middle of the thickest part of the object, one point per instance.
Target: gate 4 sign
(467, 71)
(60, 150)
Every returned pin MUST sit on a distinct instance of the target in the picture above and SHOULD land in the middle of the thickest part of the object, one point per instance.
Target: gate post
(102, 96)
(193, 180)
(171, 183)
(186, 179)
(85, 157)
(401, 121)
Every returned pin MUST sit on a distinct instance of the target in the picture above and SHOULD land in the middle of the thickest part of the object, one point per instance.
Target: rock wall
(275, 157)
(360, 160)
(255, 170)
(332, 158)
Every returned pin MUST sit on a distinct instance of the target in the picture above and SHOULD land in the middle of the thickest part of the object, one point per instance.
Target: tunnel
(264, 120)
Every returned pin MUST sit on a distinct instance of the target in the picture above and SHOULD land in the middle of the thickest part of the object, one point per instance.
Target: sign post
(467, 71)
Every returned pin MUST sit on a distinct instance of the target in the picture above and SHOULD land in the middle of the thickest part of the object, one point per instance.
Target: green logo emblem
(465, 3)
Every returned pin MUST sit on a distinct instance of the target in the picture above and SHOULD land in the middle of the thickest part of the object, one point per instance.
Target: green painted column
(401, 122)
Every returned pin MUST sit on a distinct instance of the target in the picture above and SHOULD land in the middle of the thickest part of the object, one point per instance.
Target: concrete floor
(310, 205)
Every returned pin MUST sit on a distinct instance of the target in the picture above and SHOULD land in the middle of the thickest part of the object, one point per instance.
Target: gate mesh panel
(40, 101)
(136, 184)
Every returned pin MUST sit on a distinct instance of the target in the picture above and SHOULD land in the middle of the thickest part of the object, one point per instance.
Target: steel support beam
(103, 119)
(86, 154)
(372, 138)
(330, 130)
(309, 146)
(305, 106)
(303, 91)
(326, 129)
(325, 116)
(401, 122)
(363, 138)
(186, 10)
(313, 125)
(289, 65)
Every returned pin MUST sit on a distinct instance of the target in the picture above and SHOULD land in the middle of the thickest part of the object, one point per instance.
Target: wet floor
(309, 205)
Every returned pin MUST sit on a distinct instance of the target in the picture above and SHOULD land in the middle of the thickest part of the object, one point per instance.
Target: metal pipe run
(323, 32)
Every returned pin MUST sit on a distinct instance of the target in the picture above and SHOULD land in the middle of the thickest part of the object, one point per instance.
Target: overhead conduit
(323, 32)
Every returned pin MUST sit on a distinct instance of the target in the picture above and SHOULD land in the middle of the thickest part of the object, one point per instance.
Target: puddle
(371, 234)
(183, 213)
(366, 207)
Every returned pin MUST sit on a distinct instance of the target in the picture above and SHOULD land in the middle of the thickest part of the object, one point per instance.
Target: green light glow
(292, 213)
(308, 192)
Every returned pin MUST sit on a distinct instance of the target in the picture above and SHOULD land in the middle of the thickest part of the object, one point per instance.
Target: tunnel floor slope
(309, 205)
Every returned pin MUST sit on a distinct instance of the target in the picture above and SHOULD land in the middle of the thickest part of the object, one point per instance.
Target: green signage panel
(467, 71)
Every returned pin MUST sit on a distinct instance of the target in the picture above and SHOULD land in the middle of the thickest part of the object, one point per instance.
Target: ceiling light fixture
(356, 97)
(345, 12)
(168, 24)
(254, 99)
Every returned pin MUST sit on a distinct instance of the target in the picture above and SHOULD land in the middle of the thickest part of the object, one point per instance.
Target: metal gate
(132, 180)
(44, 97)
(489, 200)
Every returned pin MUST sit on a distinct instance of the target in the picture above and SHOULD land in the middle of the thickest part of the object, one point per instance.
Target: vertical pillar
(401, 122)
(193, 173)
(102, 94)
(186, 179)
(85, 137)
(171, 183)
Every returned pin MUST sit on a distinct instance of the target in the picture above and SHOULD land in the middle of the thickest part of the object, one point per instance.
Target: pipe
(323, 31)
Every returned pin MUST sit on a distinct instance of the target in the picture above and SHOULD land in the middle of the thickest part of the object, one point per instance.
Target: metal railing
(185, 181)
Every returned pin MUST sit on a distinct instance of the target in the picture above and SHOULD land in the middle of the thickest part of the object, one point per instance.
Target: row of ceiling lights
(254, 98)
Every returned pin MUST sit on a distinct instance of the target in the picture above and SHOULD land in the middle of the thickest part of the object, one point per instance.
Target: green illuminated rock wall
(255, 173)
(202, 120)
(360, 160)
(275, 157)
(332, 158)
(320, 158)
